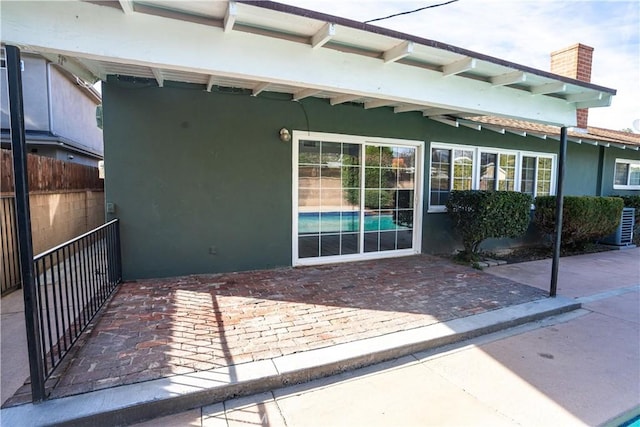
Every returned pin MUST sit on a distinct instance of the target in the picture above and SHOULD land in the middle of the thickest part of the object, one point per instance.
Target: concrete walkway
(580, 368)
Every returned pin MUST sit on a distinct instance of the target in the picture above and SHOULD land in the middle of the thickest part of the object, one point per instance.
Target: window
(456, 167)
(355, 197)
(626, 175)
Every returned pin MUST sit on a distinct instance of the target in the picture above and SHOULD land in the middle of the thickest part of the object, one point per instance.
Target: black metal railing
(10, 276)
(73, 281)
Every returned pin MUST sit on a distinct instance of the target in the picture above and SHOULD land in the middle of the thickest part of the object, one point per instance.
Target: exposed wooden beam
(158, 75)
(409, 107)
(584, 96)
(446, 121)
(126, 6)
(398, 52)
(39, 24)
(494, 129)
(470, 124)
(602, 101)
(230, 17)
(458, 67)
(304, 93)
(259, 88)
(437, 112)
(538, 135)
(323, 35)
(509, 78)
(517, 132)
(74, 66)
(341, 99)
(548, 88)
(377, 103)
(96, 70)
(210, 83)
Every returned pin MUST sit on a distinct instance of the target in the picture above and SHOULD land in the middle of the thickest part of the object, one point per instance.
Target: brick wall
(574, 62)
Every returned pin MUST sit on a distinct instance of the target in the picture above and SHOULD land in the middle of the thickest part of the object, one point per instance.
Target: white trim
(419, 146)
(106, 36)
(625, 186)
(477, 151)
(355, 257)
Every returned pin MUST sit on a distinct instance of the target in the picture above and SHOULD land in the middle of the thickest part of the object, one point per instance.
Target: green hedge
(584, 218)
(479, 215)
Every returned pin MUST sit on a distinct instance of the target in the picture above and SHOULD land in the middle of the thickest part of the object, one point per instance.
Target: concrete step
(136, 402)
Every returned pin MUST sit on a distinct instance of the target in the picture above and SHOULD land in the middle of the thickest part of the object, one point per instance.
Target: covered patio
(154, 329)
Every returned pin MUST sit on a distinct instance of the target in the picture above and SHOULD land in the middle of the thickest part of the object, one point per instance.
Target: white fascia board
(94, 32)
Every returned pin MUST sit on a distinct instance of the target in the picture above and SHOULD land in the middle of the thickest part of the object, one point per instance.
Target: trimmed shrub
(584, 218)
(633, 202)
(480, 215)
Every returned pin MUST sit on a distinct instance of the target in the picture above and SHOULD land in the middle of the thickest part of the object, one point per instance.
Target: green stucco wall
(610, 156)
(202, 182)
(190, 170)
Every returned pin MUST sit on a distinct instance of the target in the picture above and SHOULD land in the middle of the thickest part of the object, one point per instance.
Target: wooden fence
(76, 190)
(49, 174)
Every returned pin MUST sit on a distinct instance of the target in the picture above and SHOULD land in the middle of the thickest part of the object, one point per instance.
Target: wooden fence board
(49, 174)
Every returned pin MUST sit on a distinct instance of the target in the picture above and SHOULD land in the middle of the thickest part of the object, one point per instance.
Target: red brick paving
(158, 328)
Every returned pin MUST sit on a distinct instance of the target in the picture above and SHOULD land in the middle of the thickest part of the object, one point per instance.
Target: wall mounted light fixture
(285, 136)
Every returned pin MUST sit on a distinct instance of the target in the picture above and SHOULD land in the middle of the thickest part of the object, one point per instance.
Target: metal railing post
(19, 151)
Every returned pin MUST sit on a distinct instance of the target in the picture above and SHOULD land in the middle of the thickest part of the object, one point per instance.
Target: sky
(526, 32)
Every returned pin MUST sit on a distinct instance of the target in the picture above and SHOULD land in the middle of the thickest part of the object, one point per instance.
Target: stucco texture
(202, 183)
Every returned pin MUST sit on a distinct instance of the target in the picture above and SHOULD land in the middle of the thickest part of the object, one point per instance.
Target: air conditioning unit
(623, 236)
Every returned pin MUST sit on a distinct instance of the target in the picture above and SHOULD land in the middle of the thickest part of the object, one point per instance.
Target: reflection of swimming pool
(334, 222)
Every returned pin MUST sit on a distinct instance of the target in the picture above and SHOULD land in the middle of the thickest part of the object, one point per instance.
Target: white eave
(267, 46)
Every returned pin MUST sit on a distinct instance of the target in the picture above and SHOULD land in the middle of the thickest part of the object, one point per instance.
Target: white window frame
(298, 135)
(626, 186)
(477, 151)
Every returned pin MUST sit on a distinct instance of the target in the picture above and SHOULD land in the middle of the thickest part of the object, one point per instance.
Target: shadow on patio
(159, 328)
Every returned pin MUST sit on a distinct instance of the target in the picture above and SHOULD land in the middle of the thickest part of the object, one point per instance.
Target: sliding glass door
(354, 198)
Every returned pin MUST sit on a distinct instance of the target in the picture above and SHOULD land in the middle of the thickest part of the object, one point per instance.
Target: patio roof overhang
(266, 46)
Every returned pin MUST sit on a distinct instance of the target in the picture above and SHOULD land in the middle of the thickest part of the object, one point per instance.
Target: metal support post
(559, 205)
(23, 220)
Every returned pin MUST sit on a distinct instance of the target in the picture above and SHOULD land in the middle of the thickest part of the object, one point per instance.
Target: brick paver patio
(158, 328)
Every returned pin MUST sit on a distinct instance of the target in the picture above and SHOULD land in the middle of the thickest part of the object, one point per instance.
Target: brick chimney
(575, 62)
